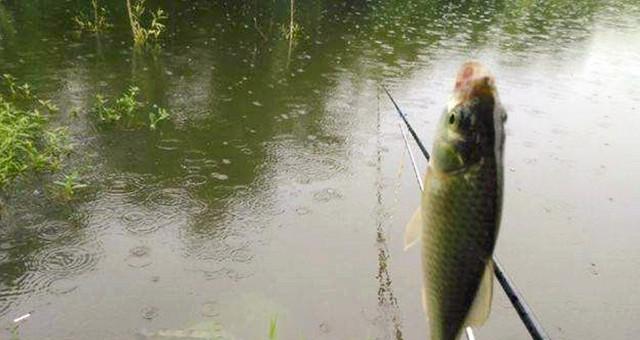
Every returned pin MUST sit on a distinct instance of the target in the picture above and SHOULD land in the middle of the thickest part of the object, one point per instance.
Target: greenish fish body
(461, 206)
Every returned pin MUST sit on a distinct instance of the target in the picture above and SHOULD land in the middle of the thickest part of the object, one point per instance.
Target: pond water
(280, 187)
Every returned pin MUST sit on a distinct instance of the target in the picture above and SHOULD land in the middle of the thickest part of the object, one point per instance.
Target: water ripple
(139, 257)
(169, 144)
(124, 184)
(66, 261)
(54, 230)
(142, 221)
(177, 199)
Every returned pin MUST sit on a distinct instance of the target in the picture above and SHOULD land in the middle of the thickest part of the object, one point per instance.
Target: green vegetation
(99, 22)
(123, 110)
(273, 329)
(69, 186)
(157, 117)
(145, 36)
(26, 144)
(126, 111)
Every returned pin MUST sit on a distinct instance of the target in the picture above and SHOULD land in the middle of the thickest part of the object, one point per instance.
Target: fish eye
(452, 118)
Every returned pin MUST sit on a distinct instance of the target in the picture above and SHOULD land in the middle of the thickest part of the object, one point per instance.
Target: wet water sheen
(280, 186)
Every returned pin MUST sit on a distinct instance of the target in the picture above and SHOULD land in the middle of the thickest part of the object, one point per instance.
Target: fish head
(471, 126)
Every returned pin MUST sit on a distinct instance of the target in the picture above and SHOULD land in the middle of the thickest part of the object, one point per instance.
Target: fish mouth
(474, 81)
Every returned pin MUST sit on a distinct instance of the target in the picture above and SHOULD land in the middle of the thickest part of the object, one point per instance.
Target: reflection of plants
(99, 23)
(126, 110)
(25, 142)
(69, 185)
(292, 31)
(145, 36)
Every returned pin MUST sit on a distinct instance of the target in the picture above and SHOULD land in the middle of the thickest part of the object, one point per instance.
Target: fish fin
(412, 232)
(479, 312)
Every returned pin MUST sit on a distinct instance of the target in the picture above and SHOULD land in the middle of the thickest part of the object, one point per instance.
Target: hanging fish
(459, 216)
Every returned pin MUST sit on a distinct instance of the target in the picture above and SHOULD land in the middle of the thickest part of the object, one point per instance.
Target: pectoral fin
(481, 307)
(412, 232)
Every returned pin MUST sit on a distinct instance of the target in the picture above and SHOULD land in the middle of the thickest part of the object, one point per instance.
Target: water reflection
(266, 138)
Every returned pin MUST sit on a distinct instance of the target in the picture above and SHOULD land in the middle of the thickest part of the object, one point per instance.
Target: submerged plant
(99, 22)
(69, 185)
(145, 35)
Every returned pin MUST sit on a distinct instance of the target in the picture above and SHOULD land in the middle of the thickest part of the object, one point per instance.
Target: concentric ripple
(142, 221)
(19, 289)
(209, 309)
(195, 180)
(65, 261)
(175, 198)
(124, 184)
(139, 257)
(54, 230)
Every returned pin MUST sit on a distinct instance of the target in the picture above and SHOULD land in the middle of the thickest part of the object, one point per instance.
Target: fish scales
(459, 216)
(455, 255)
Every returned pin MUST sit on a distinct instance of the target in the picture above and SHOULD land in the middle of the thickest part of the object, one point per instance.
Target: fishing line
(525, 312)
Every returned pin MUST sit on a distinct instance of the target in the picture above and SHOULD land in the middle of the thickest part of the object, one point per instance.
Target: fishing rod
(517, 299)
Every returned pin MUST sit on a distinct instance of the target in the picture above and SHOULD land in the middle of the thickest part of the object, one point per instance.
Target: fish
(459, 216)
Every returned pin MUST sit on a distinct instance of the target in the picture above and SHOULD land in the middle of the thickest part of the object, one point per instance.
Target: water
(280, 187)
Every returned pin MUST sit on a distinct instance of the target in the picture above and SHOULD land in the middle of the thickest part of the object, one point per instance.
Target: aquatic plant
(69, 185)
(126, 110)
(23, 94)
(123, 110)
(26, 142)
(160, 115)
(99, 22)
(145, 36)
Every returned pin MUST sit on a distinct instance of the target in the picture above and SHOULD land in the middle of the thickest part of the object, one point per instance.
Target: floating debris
(22, 317)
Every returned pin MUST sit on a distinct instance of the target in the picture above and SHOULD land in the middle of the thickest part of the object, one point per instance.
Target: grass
(26, 142)
(126, 111)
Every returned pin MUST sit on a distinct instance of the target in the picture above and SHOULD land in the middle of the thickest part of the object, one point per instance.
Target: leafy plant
(125, 110)
(145, 36)
(99, 22)
(157, 117)
(69, 185)
(26, 144)
(22, 94)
